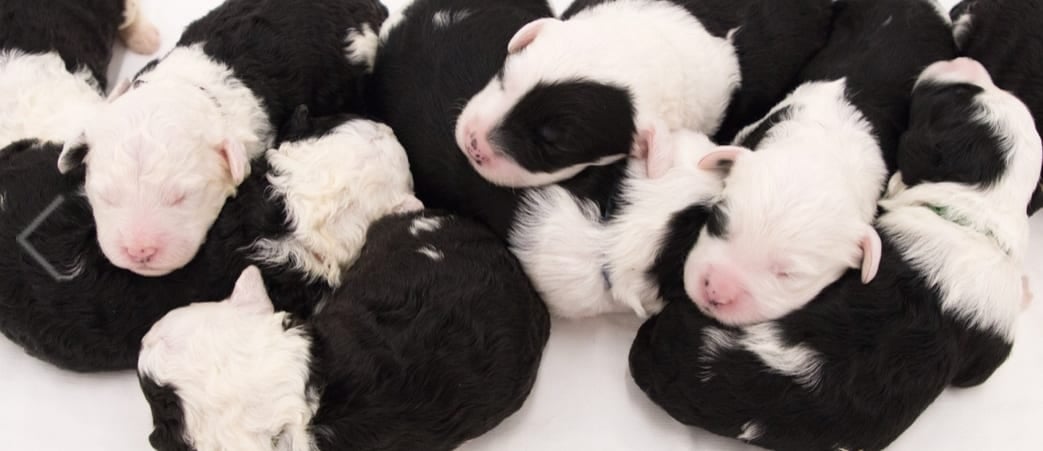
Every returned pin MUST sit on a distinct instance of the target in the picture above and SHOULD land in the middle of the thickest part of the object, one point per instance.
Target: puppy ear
(409, 204)
(655, 145)
(121, 88)
(723, 158)
(872, 251)
(527, 34)
(250, 294)
(74, 153)
(234, 154)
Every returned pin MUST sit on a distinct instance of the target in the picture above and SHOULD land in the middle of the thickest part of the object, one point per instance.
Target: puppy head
(540, 120)
(965, 130)
(159, 168)
(229, 375)
(774, 239)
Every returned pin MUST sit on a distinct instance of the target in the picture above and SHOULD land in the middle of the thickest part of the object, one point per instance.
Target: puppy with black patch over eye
(941, 311)
(797, 212)
(588, 90)
(54, 56)
(171, 147)
(1006, 36)
(434, 338)
(302, 215)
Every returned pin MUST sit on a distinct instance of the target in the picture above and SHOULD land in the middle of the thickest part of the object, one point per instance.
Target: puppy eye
(549, 133)
(176, 200)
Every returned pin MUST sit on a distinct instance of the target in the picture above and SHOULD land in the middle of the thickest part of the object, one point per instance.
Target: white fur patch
(961, 27)
(394, 19)
(162, 141)
(715, 342)
(751, 431)
(800, 206)
(334, 187)
(362, 46)
(431, 252)
(3, 202)
(800, 362)
(445, 18)
(40, 99)
(424, 224)
(241, 379)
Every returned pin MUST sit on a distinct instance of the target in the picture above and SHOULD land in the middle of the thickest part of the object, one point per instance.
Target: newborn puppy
(302, 216)
(53, 60)
(856, 366)
(773, 40)
(434, 338)
(1006, 36)
(797, 213)
(589, 90)
(170, 148)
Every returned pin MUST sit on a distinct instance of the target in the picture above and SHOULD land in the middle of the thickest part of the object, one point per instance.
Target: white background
(584, 398)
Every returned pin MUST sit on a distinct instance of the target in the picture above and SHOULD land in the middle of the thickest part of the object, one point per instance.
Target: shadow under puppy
(856, 366)
(303, 216)
(434, 338)
(54, 56)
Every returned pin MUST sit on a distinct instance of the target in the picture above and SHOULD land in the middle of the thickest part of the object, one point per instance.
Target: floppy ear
(527, 34)
(250, 294)
(120, 89)
(234, 154)
(655, 145)
(871, 254)
(409, 204)
(73, 154)
(722, 158)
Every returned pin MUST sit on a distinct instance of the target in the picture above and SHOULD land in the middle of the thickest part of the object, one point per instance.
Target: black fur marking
(753, 139)
(668, 268)
(881, 47)
(419, 89)
(717, 223)
(303, 126)
(566, 123)
(415, 355)
(290, 52)
(1006, 36)
(81, 31)
(946, 142)
(168, 417)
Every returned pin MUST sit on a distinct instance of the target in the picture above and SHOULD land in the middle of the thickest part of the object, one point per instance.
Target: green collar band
(949, 215)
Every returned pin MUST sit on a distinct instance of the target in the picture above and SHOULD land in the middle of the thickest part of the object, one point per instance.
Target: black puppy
(65, 303)
(434, 338)
(1006, 36)
(856, 366)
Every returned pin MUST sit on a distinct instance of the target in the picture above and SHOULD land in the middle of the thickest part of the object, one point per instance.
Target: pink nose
(965, 69)
(721, 288)
(141, 254)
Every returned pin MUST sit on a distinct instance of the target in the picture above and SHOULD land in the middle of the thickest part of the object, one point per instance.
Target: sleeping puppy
(302, 216)
(1006, 36)
(797, 212)
(589, 90)
(856, 366)
(190, 124)
(434, 338)
(54, 56)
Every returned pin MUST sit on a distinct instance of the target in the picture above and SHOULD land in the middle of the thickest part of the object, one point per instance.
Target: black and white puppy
(434, 55)
(434, 338)
(53, 61)
(856, 366)
(303, 216)
(798, 212)
(589, 90)
(773, 40)
(164, 155)
(1006, 36)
